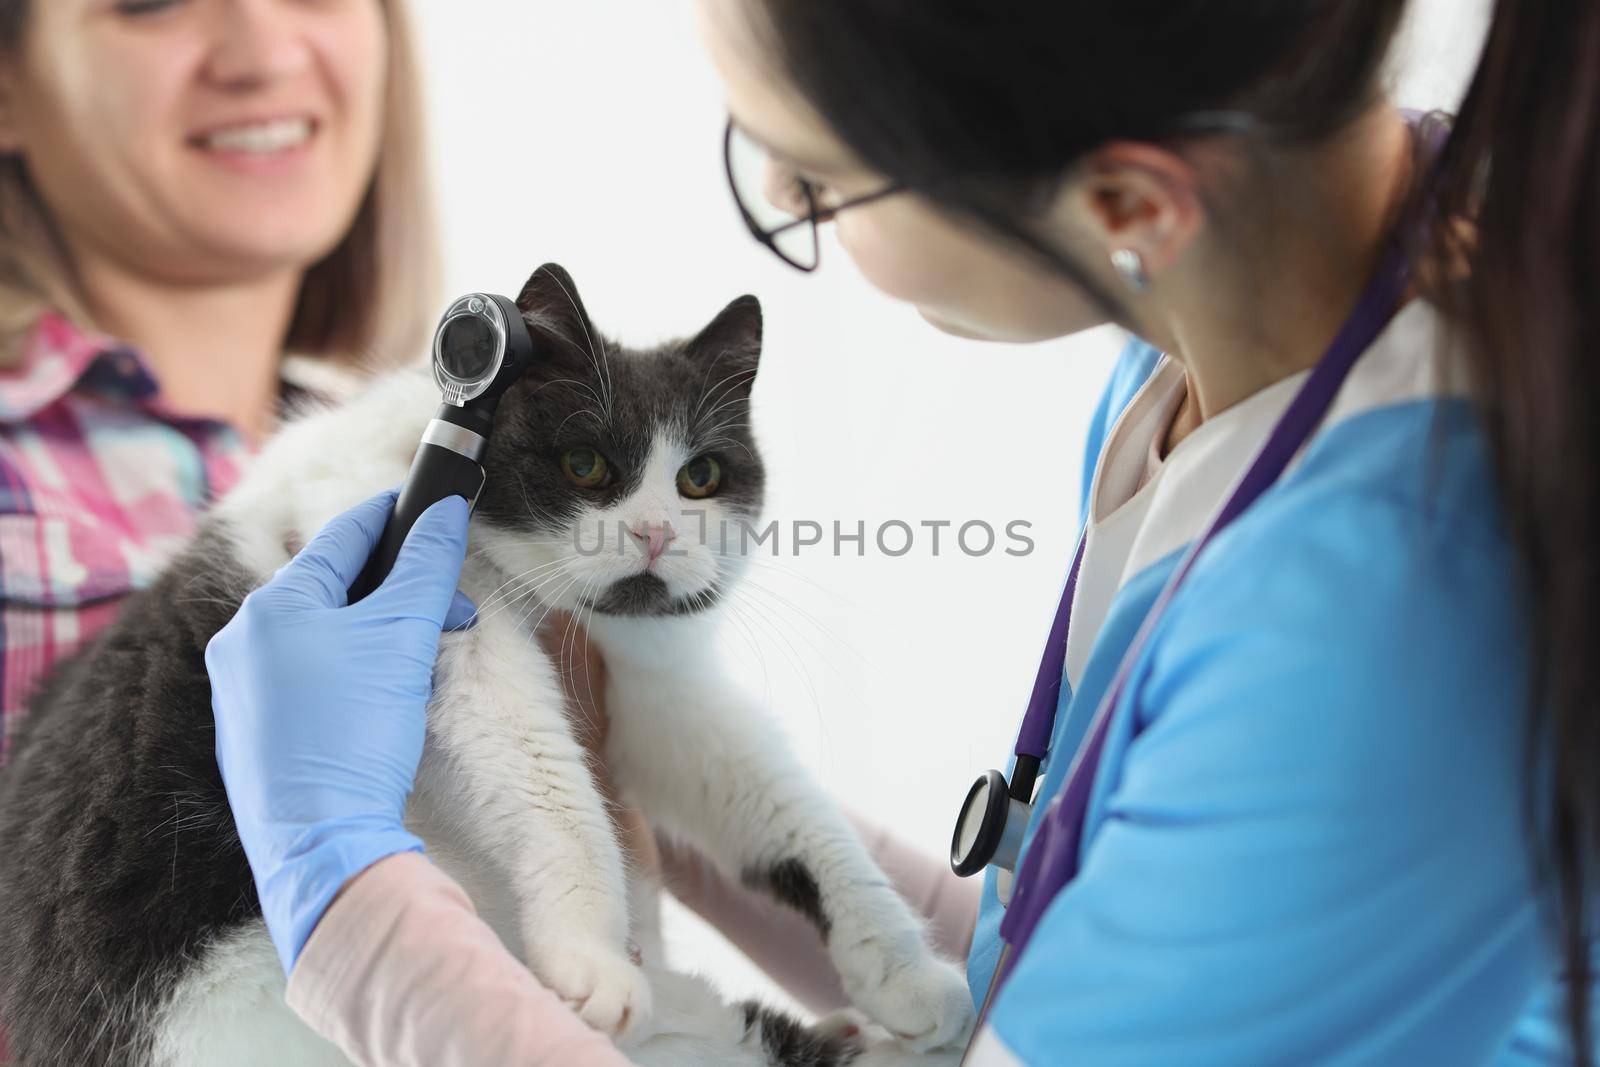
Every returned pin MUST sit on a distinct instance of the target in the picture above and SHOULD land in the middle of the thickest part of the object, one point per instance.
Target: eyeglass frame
(814, 216)
(1209, 122)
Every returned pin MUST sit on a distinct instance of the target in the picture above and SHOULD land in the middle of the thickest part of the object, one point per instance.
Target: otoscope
(482, 346)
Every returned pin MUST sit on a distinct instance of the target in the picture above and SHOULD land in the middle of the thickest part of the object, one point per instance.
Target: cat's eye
(585, 467)
(700, 477)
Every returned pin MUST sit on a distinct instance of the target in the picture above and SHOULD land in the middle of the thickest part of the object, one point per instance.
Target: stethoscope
(994, 817)
(481, 348)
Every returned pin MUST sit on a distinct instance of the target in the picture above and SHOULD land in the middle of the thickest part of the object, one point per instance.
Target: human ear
(1137, 197)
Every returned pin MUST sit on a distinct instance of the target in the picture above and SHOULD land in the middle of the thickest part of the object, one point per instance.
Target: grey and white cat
(130, 933)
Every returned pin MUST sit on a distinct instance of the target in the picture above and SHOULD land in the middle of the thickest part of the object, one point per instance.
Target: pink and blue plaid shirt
(100, 485)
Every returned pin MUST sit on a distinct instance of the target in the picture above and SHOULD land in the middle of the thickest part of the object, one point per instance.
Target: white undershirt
(1155, 455)
(1143, 508)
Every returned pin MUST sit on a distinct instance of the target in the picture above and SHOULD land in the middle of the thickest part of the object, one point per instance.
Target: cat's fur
(130, 932)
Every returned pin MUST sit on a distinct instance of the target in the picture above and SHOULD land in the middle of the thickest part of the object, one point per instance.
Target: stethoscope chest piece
(990, 828)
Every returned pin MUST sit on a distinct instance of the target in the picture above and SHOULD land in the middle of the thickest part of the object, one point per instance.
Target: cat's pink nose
(653, 538)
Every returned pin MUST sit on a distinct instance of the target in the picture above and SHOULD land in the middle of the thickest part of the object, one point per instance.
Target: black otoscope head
(481, 348)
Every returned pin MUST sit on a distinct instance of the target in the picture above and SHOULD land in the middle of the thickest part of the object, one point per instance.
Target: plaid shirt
(100, 485)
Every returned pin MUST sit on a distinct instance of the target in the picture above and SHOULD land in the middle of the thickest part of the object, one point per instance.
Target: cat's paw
(920, 999)
(607, 989)
(845, 1024)
(873, 1046)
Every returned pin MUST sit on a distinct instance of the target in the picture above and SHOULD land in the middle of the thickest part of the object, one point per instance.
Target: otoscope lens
(468, 348)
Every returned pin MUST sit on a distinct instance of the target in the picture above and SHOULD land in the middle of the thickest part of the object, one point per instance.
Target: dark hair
(982, 105)
(13, 20)
(914, 88)
(1525, 165)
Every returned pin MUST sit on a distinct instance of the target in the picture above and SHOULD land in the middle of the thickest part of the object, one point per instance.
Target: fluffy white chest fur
(508, 805)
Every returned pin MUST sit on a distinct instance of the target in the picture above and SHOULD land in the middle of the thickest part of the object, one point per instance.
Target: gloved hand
(320, 707)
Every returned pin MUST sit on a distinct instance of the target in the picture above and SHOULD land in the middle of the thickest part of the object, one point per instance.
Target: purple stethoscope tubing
(1051, 859)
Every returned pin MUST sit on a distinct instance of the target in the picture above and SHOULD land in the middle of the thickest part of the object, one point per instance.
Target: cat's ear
(733, 340)
(553, 311)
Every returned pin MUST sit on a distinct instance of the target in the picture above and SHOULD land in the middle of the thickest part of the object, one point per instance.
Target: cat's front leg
(815, 863)
(711, 768)
(503, 772)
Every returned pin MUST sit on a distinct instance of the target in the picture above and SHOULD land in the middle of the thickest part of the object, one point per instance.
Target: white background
(590, 134)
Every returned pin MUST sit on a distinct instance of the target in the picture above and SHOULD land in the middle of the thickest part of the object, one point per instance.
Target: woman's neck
(1238, 324)
(214, 350)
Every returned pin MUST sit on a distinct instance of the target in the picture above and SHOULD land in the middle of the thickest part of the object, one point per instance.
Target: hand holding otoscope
(481, 348)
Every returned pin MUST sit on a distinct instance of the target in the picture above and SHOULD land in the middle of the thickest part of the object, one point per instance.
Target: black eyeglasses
(778, 205)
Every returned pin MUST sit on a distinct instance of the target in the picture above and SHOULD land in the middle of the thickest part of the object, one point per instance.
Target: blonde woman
(190, 190)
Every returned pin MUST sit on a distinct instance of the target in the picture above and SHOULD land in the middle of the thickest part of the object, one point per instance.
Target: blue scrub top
(1307, 842)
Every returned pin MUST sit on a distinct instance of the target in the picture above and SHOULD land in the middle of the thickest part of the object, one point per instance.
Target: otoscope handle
(437, 472)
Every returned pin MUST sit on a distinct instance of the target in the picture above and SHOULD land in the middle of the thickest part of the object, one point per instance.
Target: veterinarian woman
(189, 190)
(1343, 805)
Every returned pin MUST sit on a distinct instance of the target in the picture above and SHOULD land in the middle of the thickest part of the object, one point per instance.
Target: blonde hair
(368, 301)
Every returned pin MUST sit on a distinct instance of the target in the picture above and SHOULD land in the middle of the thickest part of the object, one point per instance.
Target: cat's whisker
(735, 386)
(522, 488)
(722, 426)
(549, 606)
(712, 426)
(741, 371)
(527, 587)
(527, 601)
(707, 394)
(727, 402)
(588, 664)
(730, 615)
(569, 635)
(543, 568)
(711, 365)
(534, 601)
(732, 397)
(604, 371)
(774, 565)
(611, 386)
(737, 614)
(509, 543)
(715, 442)
(575, 414)
(792, 655)
(779, 625)
(753, 585)
(585, 386)
(504, 542)
(539, 542)
(798, 664)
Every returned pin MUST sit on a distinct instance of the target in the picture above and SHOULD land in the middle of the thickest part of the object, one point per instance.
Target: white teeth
(262, 138)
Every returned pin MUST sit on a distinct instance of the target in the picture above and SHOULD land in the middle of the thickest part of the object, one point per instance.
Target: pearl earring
(1130, 264)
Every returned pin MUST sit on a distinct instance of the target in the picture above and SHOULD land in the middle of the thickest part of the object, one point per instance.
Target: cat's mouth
(647, 594)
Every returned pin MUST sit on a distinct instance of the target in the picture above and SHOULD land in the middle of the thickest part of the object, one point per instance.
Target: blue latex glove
(321, 707)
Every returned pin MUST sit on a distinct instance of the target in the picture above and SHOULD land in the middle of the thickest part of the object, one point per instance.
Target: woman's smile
(221, 138)
(266, 146)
